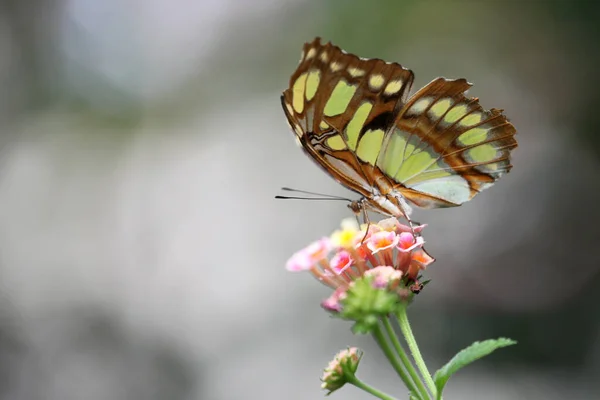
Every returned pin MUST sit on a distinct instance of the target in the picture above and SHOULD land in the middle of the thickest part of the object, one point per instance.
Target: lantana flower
(351, 251)
(370, 267)
(341, 369)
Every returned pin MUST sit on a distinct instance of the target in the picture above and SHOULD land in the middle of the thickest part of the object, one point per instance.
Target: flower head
(342, 367)
(388, 255)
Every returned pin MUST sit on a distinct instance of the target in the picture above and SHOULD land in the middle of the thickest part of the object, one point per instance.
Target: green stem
(369, 389)
(414, 349)
(389, 353)
(405, 360)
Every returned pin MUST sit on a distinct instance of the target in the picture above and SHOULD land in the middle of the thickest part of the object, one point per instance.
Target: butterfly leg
(367, 220)
(358, 207)
(405, 209)
(410, 223)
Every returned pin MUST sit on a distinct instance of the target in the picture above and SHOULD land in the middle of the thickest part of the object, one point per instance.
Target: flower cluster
(386, 253)
(342, 367)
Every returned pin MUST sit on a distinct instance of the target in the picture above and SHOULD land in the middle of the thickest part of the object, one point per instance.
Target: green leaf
(465, 357)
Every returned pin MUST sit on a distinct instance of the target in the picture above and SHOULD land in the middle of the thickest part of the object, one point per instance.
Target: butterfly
(356, 119)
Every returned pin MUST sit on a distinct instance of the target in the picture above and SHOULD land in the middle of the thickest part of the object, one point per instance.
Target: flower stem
(389, 353)
(405, 360)
(367, 388)
(414, 349)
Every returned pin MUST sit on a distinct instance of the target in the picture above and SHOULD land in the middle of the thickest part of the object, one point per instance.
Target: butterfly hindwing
(444, 147)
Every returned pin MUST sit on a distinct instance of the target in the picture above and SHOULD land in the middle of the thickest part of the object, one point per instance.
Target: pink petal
(407, 242)
(341, 261)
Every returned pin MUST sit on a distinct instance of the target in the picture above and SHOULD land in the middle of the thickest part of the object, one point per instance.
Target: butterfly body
(355, 119)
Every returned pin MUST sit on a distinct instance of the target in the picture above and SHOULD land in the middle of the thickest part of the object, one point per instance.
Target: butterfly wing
(444, 148)
(332, 99)
(353, 117)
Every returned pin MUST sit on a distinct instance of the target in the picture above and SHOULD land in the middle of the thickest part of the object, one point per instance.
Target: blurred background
(142, 253)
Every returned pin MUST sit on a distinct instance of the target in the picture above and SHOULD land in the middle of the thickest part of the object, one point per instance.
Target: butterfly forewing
(333, 97)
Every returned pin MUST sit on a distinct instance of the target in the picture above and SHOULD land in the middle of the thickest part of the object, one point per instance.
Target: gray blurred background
(141, 250)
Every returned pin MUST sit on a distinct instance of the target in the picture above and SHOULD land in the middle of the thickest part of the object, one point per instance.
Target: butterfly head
(356, 206)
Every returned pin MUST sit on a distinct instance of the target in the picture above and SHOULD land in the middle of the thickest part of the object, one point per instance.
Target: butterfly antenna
(329, 196)
(368, 221)
(309, 198)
